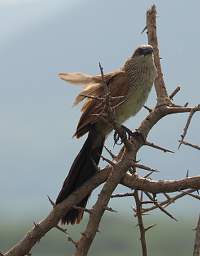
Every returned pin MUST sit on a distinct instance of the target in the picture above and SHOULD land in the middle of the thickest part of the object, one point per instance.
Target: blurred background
(38, 40)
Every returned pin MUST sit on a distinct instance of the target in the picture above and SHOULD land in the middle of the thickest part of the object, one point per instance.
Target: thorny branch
(193, 110)
(115, 173)
(138, 211)
(162, 96)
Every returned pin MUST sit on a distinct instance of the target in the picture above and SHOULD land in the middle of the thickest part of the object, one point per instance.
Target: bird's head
(143, 52)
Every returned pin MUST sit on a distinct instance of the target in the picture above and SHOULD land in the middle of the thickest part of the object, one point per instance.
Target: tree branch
(162, 96)
(140, 223)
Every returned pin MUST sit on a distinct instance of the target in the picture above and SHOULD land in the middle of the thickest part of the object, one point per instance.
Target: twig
(188, 124)
(160, 206)
(140, 223)
(123, 195)
(69, 238)
(169, 201)
(196, 251)
(190, 144)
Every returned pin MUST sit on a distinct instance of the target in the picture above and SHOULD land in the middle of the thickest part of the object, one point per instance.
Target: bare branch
(100, 206)
(170, 200)
(188, 123)
(160, 206)
(140, 223)
(162, 96)
(123, 195)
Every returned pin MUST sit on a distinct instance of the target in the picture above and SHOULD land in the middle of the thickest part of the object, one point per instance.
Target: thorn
(152, 226)
(108, 161)
(84, 209)
(83, 234)
(110, 152)
(165, 150)
(110, 209)
(197, 191)
(36, 225)
(154, 197)
(187, 174)
(167, 196)
(64, 230)
(146, 168)
(147, 108)
(186, 104)
(148, 174)
(144, 29)
(147, 202)
(174, 92)
(51, 201)
(71, 240)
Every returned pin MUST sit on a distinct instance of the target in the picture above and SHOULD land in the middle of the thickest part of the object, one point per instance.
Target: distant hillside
(117, 237)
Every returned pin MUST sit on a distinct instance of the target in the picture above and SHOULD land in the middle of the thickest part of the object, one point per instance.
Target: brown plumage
(133, 81)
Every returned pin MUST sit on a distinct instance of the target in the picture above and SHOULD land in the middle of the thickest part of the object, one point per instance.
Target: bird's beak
(147, 51)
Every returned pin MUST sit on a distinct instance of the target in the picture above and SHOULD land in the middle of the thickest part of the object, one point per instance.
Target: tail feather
(82, 169)
(76, 78)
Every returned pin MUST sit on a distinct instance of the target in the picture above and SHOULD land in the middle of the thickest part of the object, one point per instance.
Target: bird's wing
(94, 107)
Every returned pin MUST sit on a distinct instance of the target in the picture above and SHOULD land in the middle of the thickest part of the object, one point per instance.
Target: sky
(38, 40)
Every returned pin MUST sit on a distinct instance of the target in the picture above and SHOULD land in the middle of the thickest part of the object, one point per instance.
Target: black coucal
(133, 81)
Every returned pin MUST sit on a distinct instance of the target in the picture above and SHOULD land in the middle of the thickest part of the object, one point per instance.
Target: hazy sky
(38, 40)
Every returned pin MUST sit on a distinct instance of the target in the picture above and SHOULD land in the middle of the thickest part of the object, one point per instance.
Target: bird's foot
(127, 134)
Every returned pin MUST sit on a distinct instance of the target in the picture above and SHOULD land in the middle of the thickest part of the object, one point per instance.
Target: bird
(129, 88)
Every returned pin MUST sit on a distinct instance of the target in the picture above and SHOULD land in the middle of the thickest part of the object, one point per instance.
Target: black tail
(82, 169)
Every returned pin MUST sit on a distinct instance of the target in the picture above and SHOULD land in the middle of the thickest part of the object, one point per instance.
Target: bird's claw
(127, 134)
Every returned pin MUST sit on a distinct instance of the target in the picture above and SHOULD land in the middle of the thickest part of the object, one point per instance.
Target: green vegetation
(118, 236)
